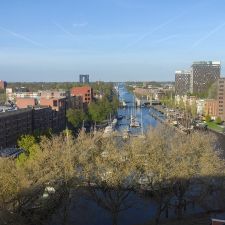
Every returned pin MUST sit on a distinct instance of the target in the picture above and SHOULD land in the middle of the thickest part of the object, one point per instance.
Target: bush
(218, 120)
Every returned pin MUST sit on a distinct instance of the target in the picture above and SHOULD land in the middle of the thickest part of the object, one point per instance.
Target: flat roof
(15, 112)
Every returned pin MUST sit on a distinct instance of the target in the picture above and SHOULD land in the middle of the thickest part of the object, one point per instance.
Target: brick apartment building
(86, 92)
(221, 98)
(211, 108)
(55, 103)
(14, 124)
(22, 103)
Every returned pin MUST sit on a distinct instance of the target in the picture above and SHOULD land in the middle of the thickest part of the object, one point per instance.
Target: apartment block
(13, 124)
(221, 98)
(42, 119)
(54, 94)
(26, 102)
(55, 103)
(211, 108)
(86, 92)
(182, 82)
(203, 75)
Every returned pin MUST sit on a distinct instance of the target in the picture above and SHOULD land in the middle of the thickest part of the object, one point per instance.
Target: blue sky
(112, 40)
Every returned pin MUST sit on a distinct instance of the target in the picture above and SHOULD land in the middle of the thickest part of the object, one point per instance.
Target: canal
(142, 114)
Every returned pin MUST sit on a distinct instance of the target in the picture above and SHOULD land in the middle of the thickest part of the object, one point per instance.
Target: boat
(124, 104)
(134, 124)
(133, 120)
(114, 122)
(120, 117)
(108, 131)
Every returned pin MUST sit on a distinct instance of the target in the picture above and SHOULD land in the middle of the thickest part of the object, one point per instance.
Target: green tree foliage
(218, 120)
(75, 117)
(29, 144)
(208, 118)
(101, 109)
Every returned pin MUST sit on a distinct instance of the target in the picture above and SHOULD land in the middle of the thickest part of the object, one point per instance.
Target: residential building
(203, 75)
(86, 92)
(55, 103)
(182, 82)
(54, 94)
(13, 124)
(200, 103)
(42, 119)
(26, 102)
(84, 78)
(211, 108)
(221, 98)
(75, 102)
(3, 84)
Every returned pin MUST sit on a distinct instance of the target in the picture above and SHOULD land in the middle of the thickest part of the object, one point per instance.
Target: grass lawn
(212, 125)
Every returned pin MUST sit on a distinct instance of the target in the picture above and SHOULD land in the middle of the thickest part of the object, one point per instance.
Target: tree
(75, 117)
(29, 144)
(218, 120)
(108, 175)
(208, 118)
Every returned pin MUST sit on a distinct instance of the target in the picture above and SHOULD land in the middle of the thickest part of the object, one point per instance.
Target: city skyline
(110, 40)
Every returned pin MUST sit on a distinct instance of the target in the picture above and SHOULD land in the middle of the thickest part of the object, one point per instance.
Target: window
(55, 103)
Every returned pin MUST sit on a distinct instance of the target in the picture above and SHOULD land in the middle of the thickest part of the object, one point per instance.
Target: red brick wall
(25, 102)
(86, 92)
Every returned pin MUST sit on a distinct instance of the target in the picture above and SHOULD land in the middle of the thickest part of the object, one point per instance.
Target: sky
(112, 40)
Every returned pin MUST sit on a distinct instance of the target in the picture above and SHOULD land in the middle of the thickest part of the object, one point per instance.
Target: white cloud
(80, 24)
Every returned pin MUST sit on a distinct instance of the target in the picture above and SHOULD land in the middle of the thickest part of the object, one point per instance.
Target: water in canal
(142, 113)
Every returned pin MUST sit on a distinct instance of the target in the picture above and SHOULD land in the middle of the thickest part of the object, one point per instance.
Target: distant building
(3, 84)
(75, 102)
(200, 104)
(182, 82)
(203, 75)
(55, 103)
(22, 103)
(54, 94)
(221, 98)
(86, 92)
(211, 108)
(84, 78)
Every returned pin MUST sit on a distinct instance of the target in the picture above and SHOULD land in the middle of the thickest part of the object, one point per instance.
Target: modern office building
(84, 78)
(182, 82)
(203, 75)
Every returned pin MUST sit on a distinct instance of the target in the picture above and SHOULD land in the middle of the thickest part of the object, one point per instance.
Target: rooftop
(11, 152)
